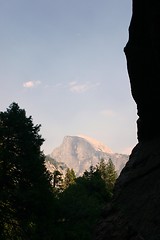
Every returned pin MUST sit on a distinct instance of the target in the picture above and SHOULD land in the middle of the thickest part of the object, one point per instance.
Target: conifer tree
(25, 191)
(107, 172)
(69, 178)
(111, 174)
(57, 182)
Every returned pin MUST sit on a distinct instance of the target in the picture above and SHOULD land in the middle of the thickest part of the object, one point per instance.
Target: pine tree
(90, 173)
(69, 178)
(25, 191)
(57, 182)
(108, 173)
(111, 174)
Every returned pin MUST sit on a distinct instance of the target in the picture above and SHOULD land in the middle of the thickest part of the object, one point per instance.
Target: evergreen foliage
(35, 205)
(69, 178)
(57, 179)
(108, 173)
(25, 192)
(80, 206)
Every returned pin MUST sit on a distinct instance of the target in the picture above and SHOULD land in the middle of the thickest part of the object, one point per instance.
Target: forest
(36, 204)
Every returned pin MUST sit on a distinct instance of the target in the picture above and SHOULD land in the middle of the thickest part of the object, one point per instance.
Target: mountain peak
(99, 146)
(80, 152)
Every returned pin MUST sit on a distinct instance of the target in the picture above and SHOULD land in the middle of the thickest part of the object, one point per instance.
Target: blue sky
(63, 62)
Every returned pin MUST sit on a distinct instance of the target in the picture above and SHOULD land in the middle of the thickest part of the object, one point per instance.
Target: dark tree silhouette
(108, 173)
(25, 191)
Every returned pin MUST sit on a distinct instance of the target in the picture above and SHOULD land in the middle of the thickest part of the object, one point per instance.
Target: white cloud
(31, 84)
(76, 87)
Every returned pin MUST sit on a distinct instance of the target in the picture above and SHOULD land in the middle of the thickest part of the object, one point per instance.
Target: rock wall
(134, 213)
(143, 62)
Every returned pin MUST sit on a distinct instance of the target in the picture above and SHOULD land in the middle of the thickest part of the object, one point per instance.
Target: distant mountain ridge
(98, 145)
(80, 152)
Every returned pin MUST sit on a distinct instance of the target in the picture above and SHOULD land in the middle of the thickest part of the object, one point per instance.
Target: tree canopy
(25, 182)
(37, 205)
(108, 173)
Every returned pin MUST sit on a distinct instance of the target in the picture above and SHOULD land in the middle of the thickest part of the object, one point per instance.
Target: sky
(63, 62)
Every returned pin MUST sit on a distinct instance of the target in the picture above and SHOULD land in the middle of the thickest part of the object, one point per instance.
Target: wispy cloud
(76, 87)
(31, 84)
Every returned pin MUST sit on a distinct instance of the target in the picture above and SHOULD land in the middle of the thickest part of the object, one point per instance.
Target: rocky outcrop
(52, 165)
(134, 213)
(80, 152)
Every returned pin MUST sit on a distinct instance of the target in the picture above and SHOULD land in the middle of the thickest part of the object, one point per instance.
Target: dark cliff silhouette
(134, 213)
(143, 62)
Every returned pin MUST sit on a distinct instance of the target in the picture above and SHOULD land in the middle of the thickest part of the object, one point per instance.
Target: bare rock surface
(80, 152)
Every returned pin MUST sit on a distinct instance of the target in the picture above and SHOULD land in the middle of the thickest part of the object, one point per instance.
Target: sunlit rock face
(80, 152)
(134, 213)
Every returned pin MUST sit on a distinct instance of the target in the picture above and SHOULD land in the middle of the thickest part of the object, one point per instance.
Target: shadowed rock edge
(134, 213)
